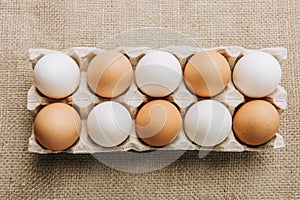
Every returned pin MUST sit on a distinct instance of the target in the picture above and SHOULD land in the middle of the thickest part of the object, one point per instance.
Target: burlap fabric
(273, 174)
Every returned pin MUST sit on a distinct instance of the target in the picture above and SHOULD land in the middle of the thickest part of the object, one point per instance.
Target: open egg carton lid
(84, 100)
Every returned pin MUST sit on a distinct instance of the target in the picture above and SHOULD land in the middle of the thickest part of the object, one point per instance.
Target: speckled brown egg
(57, 126)
(256, 122)
(207, 73)
(158, 123)
(109, 74)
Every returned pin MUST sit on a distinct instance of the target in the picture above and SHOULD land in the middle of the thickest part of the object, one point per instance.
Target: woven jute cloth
(272, 174)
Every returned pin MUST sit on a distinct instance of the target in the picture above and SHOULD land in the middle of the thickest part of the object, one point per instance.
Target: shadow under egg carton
(83, 100)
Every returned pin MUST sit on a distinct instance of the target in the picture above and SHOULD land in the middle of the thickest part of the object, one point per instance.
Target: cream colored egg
(109, 74)
(207, 73)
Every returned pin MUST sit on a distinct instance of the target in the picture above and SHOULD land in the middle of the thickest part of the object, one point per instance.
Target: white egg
(257, 74)
(158, 73)
(56, 75)
(109, 124)
(207, 123)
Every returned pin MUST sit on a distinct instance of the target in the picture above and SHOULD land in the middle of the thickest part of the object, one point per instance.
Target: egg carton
(83, 100)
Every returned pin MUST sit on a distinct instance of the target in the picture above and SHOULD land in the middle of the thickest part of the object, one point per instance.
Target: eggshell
(158, 123)
(56, 75)
(109, 124)
(256, 122)
(257, 74)
(207, 73)
(109, 74)
(207, 123)
(158, 73)
(57, 126)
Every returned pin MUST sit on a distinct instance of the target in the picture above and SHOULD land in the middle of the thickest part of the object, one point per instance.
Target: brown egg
(57, 126)
(158, 123)
(256, 122)
(109, 74)
(207, 73)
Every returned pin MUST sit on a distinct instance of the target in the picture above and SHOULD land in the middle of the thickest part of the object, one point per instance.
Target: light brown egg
(256, 122)
(109, 74)
(207, 73)
(158, 123)
(57, 126)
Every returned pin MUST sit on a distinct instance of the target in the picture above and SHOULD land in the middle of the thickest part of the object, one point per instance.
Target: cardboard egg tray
(83, 100)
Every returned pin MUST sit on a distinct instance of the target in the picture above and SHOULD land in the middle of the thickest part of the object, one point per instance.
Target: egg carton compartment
(83, 100)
